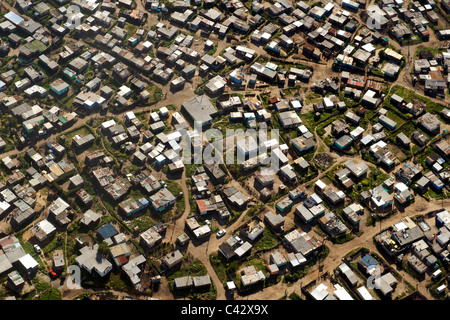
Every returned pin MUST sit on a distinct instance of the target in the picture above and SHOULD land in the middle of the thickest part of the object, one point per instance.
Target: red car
(52, 273)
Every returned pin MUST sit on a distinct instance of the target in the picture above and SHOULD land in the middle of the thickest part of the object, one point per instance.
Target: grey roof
(200, 281)
(58, 261)
(183, 282)
(408, 236)
(200, 109)
(356, 168)
(14, 252)
(91, 259)
(274, 219)
(24, 107)
(173, 258)
(5, 264)
(301, 245)
(387, 121)
(423, 182)
(303, 213)
(235, 196)
(89, 216)
(162, 198)
(76, 179)
(350, 275)
(430, 122)
(403, 138)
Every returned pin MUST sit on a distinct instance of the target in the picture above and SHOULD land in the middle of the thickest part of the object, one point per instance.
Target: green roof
(63, 120)
(36, 45)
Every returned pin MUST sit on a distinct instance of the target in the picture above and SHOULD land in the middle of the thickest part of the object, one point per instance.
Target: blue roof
(143, 201)
(107, 231)
(14, 18)
(368, 261)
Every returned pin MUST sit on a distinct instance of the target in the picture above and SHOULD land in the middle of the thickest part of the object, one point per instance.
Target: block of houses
(92, 261)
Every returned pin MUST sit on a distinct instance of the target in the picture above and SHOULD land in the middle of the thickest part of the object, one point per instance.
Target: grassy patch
(175, 188)
(267, 241)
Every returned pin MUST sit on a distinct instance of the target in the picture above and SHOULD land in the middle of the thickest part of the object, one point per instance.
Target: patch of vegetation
(267, 241)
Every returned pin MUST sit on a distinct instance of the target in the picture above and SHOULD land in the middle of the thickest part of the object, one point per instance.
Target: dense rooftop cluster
(105, 135)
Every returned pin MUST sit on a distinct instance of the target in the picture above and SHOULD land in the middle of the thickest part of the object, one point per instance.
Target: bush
(233, 267)
(294, 296)
(51, 294)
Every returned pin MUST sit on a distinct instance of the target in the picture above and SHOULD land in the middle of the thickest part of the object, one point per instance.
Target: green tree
(103, 249)
(232, 268)
(13, 122)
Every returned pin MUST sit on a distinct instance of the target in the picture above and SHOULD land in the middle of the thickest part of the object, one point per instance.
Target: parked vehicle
(221, 233)
(37, 248)
(52, 274)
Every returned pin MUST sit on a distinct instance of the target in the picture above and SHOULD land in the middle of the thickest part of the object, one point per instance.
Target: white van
(436, 274)
(440, 289)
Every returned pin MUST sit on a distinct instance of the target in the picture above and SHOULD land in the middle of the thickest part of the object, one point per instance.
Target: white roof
(296, 104)
(317, 209)
(160, 158)
(366, 139)
(368, 47)
(401, 186)
(176, 135)
(243, 248)
(400, 226)
(202, 230)
(320, 184)
(270, 143)
(163, 110)
(4, 205)
(344, 268)
(130, 115)
(280, 155)
(441, 288)
(108, 124)
(379, 145)
(58, 206)
(28, 261)
(14, 18)
(364, 293)
(46, 226)
(231, 285)
(356, 132)
(341, 293)
(320, 292)
(316, 198)
(247, 145)
(302, 128)
(328, 102)
(340, 194)
(370, 93)
(329, 6)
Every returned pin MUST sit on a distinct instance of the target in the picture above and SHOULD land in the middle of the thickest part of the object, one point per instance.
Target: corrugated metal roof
(14, 18)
